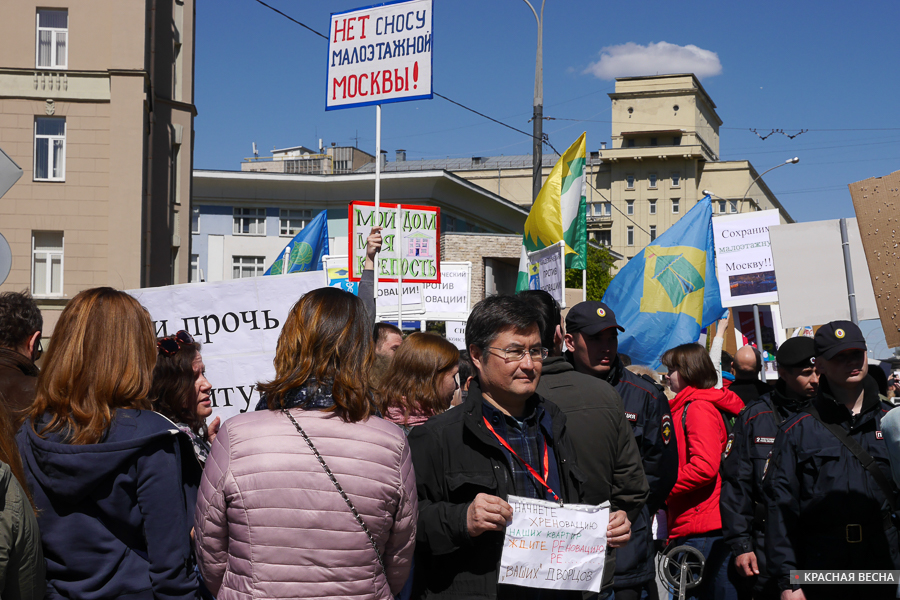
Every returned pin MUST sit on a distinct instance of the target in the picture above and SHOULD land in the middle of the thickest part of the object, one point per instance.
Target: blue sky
(823, 66)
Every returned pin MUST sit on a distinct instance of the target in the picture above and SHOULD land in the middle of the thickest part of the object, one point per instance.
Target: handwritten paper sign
(555, 547)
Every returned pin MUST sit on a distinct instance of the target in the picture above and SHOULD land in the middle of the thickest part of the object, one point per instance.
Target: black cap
(797, 352)
(838, 336)
(591, 318)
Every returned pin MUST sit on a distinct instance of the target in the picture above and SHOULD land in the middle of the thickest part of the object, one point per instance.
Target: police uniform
(825, 510)
(742, 503)
(647, 410)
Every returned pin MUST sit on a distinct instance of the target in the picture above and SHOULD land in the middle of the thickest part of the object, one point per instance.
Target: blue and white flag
(667, 293)
(305, 251)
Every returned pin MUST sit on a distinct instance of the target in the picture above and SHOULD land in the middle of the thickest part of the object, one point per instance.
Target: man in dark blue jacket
(742, 503)
(592, 340)
(828, 484)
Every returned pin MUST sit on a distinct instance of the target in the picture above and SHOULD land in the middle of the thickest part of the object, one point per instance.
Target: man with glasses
(20, 346)
(828, 485)
(504, 439)
(592, 338)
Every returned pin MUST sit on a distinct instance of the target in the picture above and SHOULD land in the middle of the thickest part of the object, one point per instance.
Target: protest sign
(547, 271)
(554, 547)
(744, 258)
(380, 54)
(237, 322)
(877, 209)
(449, 299)
(456, 333)
(411, 241)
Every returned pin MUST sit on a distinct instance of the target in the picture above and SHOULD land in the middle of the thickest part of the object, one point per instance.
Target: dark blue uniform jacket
(647, 409)
(742, 503)
(825, 510)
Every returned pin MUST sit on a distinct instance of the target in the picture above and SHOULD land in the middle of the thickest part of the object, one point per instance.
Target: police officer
(828, 486)
(741, 503)
(592, 341)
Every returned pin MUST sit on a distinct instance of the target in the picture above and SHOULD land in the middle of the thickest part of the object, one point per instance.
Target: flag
(667, 293)
(559, 213)
(305, 251)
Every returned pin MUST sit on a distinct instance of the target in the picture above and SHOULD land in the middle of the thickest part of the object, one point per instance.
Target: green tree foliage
(600, 261)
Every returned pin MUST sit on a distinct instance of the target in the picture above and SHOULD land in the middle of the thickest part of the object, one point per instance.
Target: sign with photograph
(746, 272)
(411, 241)
(380, 54)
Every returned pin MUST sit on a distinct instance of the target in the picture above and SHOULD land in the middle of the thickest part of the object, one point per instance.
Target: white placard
(455, 332)
(744, 263)
(237, 322)
(547, 271)
(451, 298)
(411, 241)
(554, 547)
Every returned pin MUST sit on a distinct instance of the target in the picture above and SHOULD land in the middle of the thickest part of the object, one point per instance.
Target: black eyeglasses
(170, 345)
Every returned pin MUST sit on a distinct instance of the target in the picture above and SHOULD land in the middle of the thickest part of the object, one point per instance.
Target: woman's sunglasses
(170, 345)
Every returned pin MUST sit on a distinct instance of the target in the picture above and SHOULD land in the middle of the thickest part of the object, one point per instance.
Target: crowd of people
(378, 466)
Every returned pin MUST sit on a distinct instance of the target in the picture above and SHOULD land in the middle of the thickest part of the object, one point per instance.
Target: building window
(49, 148)
(52, 39)
(292, 222)
(653, 207)
(651, 180)
(195, 219)
(652, 233)
(629, 182)
(247, 266)
(606, 209)
(676, 141)
(196, 275)
(654, 141)
(175, 192)
(629, 237)
(676, 180)
(676, 206)
(721, 207)
(732, 206)
(250, 221)
(629, 207)
(629, 143)
(605, 237)
(47, 263)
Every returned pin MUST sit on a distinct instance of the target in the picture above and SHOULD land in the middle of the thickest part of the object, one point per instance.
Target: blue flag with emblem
(667, 293)
(305, 251)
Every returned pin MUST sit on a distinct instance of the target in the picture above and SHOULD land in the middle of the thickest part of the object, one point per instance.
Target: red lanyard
(541, 480)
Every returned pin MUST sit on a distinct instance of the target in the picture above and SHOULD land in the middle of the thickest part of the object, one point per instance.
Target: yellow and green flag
(559, 213)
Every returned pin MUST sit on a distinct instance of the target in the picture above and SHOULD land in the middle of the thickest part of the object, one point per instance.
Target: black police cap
(591, 318)
(837, 336)
(796, 352)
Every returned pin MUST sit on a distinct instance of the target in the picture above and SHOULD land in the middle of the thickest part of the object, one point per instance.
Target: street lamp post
(790, 161)
(538, 116)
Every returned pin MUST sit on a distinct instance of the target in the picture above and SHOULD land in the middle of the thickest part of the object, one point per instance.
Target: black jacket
(647, 409)
(743, 464)
(750, 390)
(605, 446)
(820, 497)
(456, 458)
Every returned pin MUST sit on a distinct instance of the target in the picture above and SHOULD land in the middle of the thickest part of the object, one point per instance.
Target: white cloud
(634, 60)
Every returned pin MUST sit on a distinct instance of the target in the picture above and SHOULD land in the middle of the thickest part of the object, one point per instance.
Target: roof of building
(521, 161)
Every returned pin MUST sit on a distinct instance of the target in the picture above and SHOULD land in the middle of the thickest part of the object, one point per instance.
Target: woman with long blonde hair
(316, 489)
(114, 483)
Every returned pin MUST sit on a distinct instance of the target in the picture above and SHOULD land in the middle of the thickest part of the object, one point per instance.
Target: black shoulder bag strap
(887, 488)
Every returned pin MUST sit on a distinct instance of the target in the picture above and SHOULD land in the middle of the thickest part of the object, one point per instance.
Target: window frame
(732, 207)
(195, 219)
(284, 214)
(653, 233)
(652, 207)
(50, 145)
(676, 206)
(629, 182)
(676, 180)
(238, 216)
(54, 32)
(629, 235)
(652, 181)
(237, 262)
(604, 237)
(48, 256)
(629, 207)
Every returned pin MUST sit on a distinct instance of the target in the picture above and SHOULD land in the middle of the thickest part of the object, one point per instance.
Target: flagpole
(377, 187)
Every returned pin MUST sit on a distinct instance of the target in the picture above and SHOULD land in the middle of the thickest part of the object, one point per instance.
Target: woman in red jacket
(698, 414)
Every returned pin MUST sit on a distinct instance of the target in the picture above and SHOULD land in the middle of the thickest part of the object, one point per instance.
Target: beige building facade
(96, 107)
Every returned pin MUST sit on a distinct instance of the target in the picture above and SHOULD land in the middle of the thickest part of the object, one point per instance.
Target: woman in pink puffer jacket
(270, 522)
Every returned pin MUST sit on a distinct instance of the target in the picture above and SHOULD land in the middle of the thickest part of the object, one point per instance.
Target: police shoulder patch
(665, 429)
(728, 445)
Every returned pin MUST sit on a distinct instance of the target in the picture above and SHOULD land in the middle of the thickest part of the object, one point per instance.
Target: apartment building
(96, 106)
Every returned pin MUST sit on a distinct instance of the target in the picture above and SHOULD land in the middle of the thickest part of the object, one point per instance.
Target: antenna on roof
(255, 151)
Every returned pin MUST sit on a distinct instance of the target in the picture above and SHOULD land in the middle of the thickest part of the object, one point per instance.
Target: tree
(600, 261)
